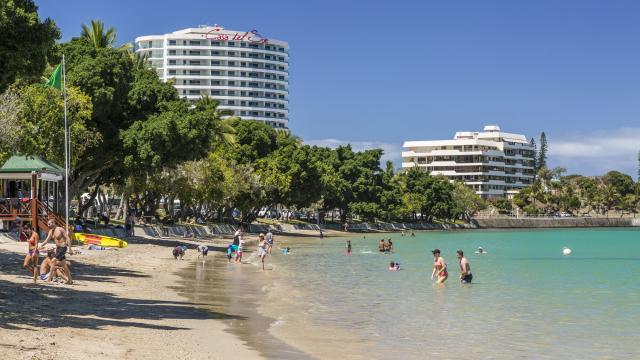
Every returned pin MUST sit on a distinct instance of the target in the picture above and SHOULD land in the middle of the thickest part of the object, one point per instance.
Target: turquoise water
(527, 300)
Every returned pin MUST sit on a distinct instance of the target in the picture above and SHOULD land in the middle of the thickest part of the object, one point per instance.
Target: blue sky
(379, 73)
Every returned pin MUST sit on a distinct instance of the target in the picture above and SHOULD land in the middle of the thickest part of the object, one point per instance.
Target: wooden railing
(12, 208)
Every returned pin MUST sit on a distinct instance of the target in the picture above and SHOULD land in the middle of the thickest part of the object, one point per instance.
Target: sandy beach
(123, 305)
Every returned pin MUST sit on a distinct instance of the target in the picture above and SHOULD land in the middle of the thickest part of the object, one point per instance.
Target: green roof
(29, 163)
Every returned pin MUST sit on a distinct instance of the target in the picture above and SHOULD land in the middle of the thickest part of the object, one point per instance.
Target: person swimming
(382, 246)
(480, 250)
(394, 266)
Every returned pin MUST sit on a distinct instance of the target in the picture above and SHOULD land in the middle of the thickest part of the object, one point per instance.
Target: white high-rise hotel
(245, 71)
(493, 163)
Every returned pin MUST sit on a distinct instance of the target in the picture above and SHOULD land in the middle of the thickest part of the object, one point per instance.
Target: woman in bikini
(31, 260)
(439, 267)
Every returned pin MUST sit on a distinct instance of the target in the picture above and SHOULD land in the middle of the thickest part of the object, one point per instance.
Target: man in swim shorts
(465, 268)
(63, 244)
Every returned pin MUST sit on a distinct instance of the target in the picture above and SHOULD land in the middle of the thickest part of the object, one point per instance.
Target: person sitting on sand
(439, 267)
(32, 257)
(46, 265)
(179, 251)
(394, 266)
(203, 250)
(382, 247)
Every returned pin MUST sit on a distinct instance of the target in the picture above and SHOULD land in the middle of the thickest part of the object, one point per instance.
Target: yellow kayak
(99, 240)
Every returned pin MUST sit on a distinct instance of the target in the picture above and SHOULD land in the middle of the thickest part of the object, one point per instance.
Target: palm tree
(99, 37)
(224, 126)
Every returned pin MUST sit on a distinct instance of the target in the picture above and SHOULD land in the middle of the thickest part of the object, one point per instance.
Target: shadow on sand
(22, 305)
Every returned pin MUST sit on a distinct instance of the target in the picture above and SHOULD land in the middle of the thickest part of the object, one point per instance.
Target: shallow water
(527, 301)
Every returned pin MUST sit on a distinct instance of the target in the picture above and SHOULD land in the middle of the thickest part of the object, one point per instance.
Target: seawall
(506, 223)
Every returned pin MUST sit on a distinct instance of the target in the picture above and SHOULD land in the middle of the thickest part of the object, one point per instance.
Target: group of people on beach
(265, 244)
(55, 265)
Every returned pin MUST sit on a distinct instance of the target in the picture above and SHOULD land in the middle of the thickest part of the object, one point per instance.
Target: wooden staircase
(45, 214)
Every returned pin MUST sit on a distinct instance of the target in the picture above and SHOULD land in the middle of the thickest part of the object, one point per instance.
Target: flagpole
(67, 147)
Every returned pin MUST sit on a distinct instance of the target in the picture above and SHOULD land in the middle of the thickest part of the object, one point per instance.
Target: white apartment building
(493, 163)
(247, 72)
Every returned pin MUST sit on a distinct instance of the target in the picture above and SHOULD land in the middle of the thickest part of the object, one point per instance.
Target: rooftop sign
(218, 33)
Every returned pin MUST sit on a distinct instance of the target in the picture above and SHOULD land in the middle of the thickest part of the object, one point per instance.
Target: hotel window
(243, 83)
(281, 58)
(194, 62)
(281, 68)
(172, 42)
(215, 72)
(194, 92)
(231, 63)
(215, 53)
(172, 62)
(281, 49)
(243, 103)
(280, 96)
(231, 102)
(172, 72)
(231, 53)
(172, 52)
(281, 77)
(194, 42)
(215, 82)
(194, 72)
(215, 92)
(215, 43)
(231, 43)
(231, 73)
(232, 83)
(215, 63)
(231, 93)
(194, 82)
(243, 44)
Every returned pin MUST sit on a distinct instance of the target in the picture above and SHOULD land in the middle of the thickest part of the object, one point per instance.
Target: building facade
(247, 72)
(493, 163)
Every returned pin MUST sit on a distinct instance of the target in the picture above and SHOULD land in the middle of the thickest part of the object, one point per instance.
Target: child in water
(394, 266)
(230, 252)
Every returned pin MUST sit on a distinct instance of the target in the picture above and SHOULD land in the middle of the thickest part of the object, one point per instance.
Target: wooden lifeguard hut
(31, 190)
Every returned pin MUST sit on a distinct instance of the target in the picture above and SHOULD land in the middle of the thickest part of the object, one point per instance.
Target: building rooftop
(28, 164)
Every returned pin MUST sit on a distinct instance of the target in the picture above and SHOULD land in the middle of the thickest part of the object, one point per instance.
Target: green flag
(56, 78)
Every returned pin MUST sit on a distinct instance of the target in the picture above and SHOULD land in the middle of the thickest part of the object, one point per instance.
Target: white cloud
(392, 151)
(597, 152)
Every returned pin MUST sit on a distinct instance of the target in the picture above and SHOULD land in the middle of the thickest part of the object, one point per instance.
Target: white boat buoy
(566, 251)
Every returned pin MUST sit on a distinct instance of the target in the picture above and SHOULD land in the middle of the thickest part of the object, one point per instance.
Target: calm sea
(528, 301)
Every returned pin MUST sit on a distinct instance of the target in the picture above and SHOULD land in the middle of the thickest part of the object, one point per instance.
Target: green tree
(99, 37)
(532, 142)
(542, 155)
(466, 201)
(40, 124)
(622, 183)
(26, 43)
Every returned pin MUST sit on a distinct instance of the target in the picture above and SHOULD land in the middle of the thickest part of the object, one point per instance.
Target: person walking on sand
(31, 260)
(63, 245)
(465, 268)
(439, 267)
(269, 237)
(263, 246)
